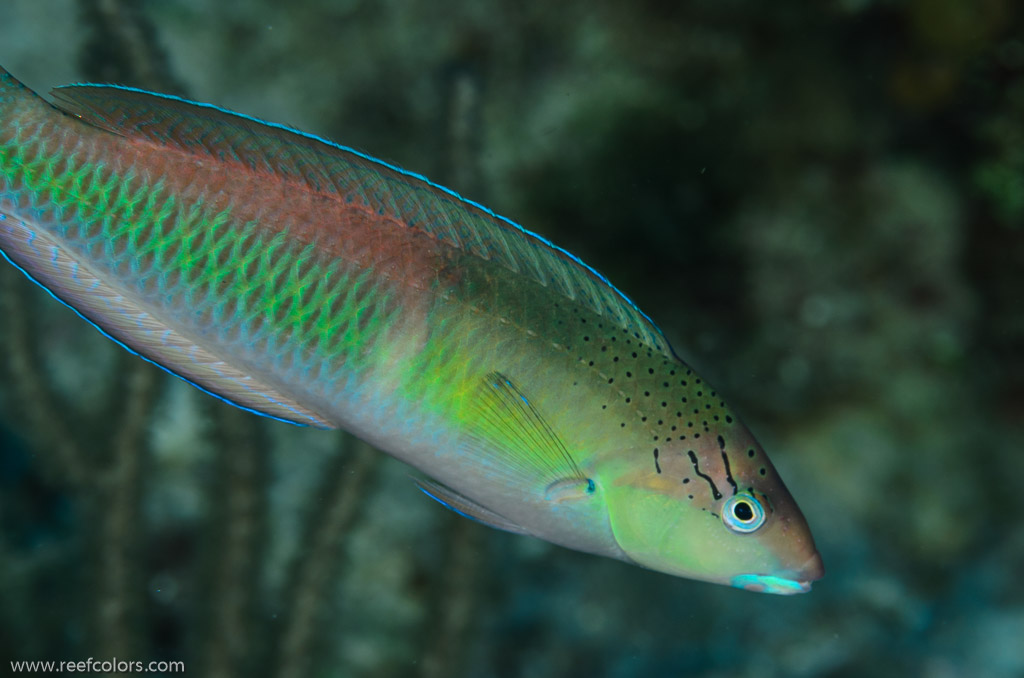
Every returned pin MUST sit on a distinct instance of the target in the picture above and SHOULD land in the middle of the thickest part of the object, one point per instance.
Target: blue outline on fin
(148, 360)
(448, 506)
(528, 233)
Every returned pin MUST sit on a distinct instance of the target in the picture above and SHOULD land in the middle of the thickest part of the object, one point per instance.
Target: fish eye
(743, 513)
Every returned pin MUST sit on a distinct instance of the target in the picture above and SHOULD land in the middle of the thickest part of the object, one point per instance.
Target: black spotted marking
(696, 469)
(725, 462)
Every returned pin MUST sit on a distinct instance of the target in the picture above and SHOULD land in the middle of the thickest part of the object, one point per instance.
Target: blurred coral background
(822, 204)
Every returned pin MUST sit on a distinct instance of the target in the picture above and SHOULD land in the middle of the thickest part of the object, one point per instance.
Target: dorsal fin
(332, 169)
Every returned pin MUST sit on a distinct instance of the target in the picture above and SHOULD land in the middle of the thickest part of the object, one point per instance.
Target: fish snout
(812, 569)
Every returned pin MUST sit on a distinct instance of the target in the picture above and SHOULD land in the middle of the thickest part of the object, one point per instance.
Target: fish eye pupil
(743, 514)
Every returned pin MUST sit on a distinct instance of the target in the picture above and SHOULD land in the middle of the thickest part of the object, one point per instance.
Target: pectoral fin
(466, 507)
(569, 490)
(513, 441)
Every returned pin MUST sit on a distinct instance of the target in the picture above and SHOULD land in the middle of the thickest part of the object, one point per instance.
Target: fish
(308, 282)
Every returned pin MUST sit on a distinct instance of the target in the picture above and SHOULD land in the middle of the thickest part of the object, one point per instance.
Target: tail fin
(11, 87)
(14, 95)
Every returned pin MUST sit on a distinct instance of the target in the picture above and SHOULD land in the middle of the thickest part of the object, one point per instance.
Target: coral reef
(821, 204)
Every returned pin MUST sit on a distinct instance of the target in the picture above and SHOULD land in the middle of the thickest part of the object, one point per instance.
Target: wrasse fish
(308, 282)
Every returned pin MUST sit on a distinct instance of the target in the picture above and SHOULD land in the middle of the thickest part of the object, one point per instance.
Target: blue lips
(766, 583)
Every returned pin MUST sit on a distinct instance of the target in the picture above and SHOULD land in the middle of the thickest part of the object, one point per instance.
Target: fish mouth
(768, 583)
(797, 581)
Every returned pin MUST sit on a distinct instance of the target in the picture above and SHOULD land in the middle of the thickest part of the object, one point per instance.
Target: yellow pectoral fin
(513, 441)
(570, 490)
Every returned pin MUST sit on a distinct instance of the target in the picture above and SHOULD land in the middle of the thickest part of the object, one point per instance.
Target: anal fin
(121, 317)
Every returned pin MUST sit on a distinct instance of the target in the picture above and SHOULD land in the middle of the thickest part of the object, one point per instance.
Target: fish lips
(784, 583)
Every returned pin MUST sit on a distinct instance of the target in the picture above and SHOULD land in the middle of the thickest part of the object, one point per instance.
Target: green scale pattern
(240, 285)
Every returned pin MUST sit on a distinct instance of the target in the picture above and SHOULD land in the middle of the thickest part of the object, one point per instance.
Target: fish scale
(305, 281)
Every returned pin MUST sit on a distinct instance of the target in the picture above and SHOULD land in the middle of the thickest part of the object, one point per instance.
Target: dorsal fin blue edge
(136, 353)
(414, 175)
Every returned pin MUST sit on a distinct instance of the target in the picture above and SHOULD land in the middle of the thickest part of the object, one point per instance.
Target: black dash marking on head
(696, 468)
(657, 466)
(725, 461)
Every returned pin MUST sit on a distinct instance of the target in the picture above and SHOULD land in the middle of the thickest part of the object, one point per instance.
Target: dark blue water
(821, 204)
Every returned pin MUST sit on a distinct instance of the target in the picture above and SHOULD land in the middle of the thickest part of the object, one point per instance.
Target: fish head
(713, 508)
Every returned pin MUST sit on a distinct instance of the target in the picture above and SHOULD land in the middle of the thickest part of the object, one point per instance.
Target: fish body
(310, 283)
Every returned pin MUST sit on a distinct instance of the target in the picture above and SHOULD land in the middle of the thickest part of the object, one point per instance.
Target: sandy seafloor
(822, 205)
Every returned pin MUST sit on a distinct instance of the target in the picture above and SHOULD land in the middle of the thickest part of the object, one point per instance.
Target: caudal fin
(13, 93)
(11, 87)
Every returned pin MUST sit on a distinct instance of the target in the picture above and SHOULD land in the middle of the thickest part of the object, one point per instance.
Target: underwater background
(821, 204)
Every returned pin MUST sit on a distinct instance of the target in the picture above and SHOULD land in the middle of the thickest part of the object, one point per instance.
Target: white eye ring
(743, 513)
